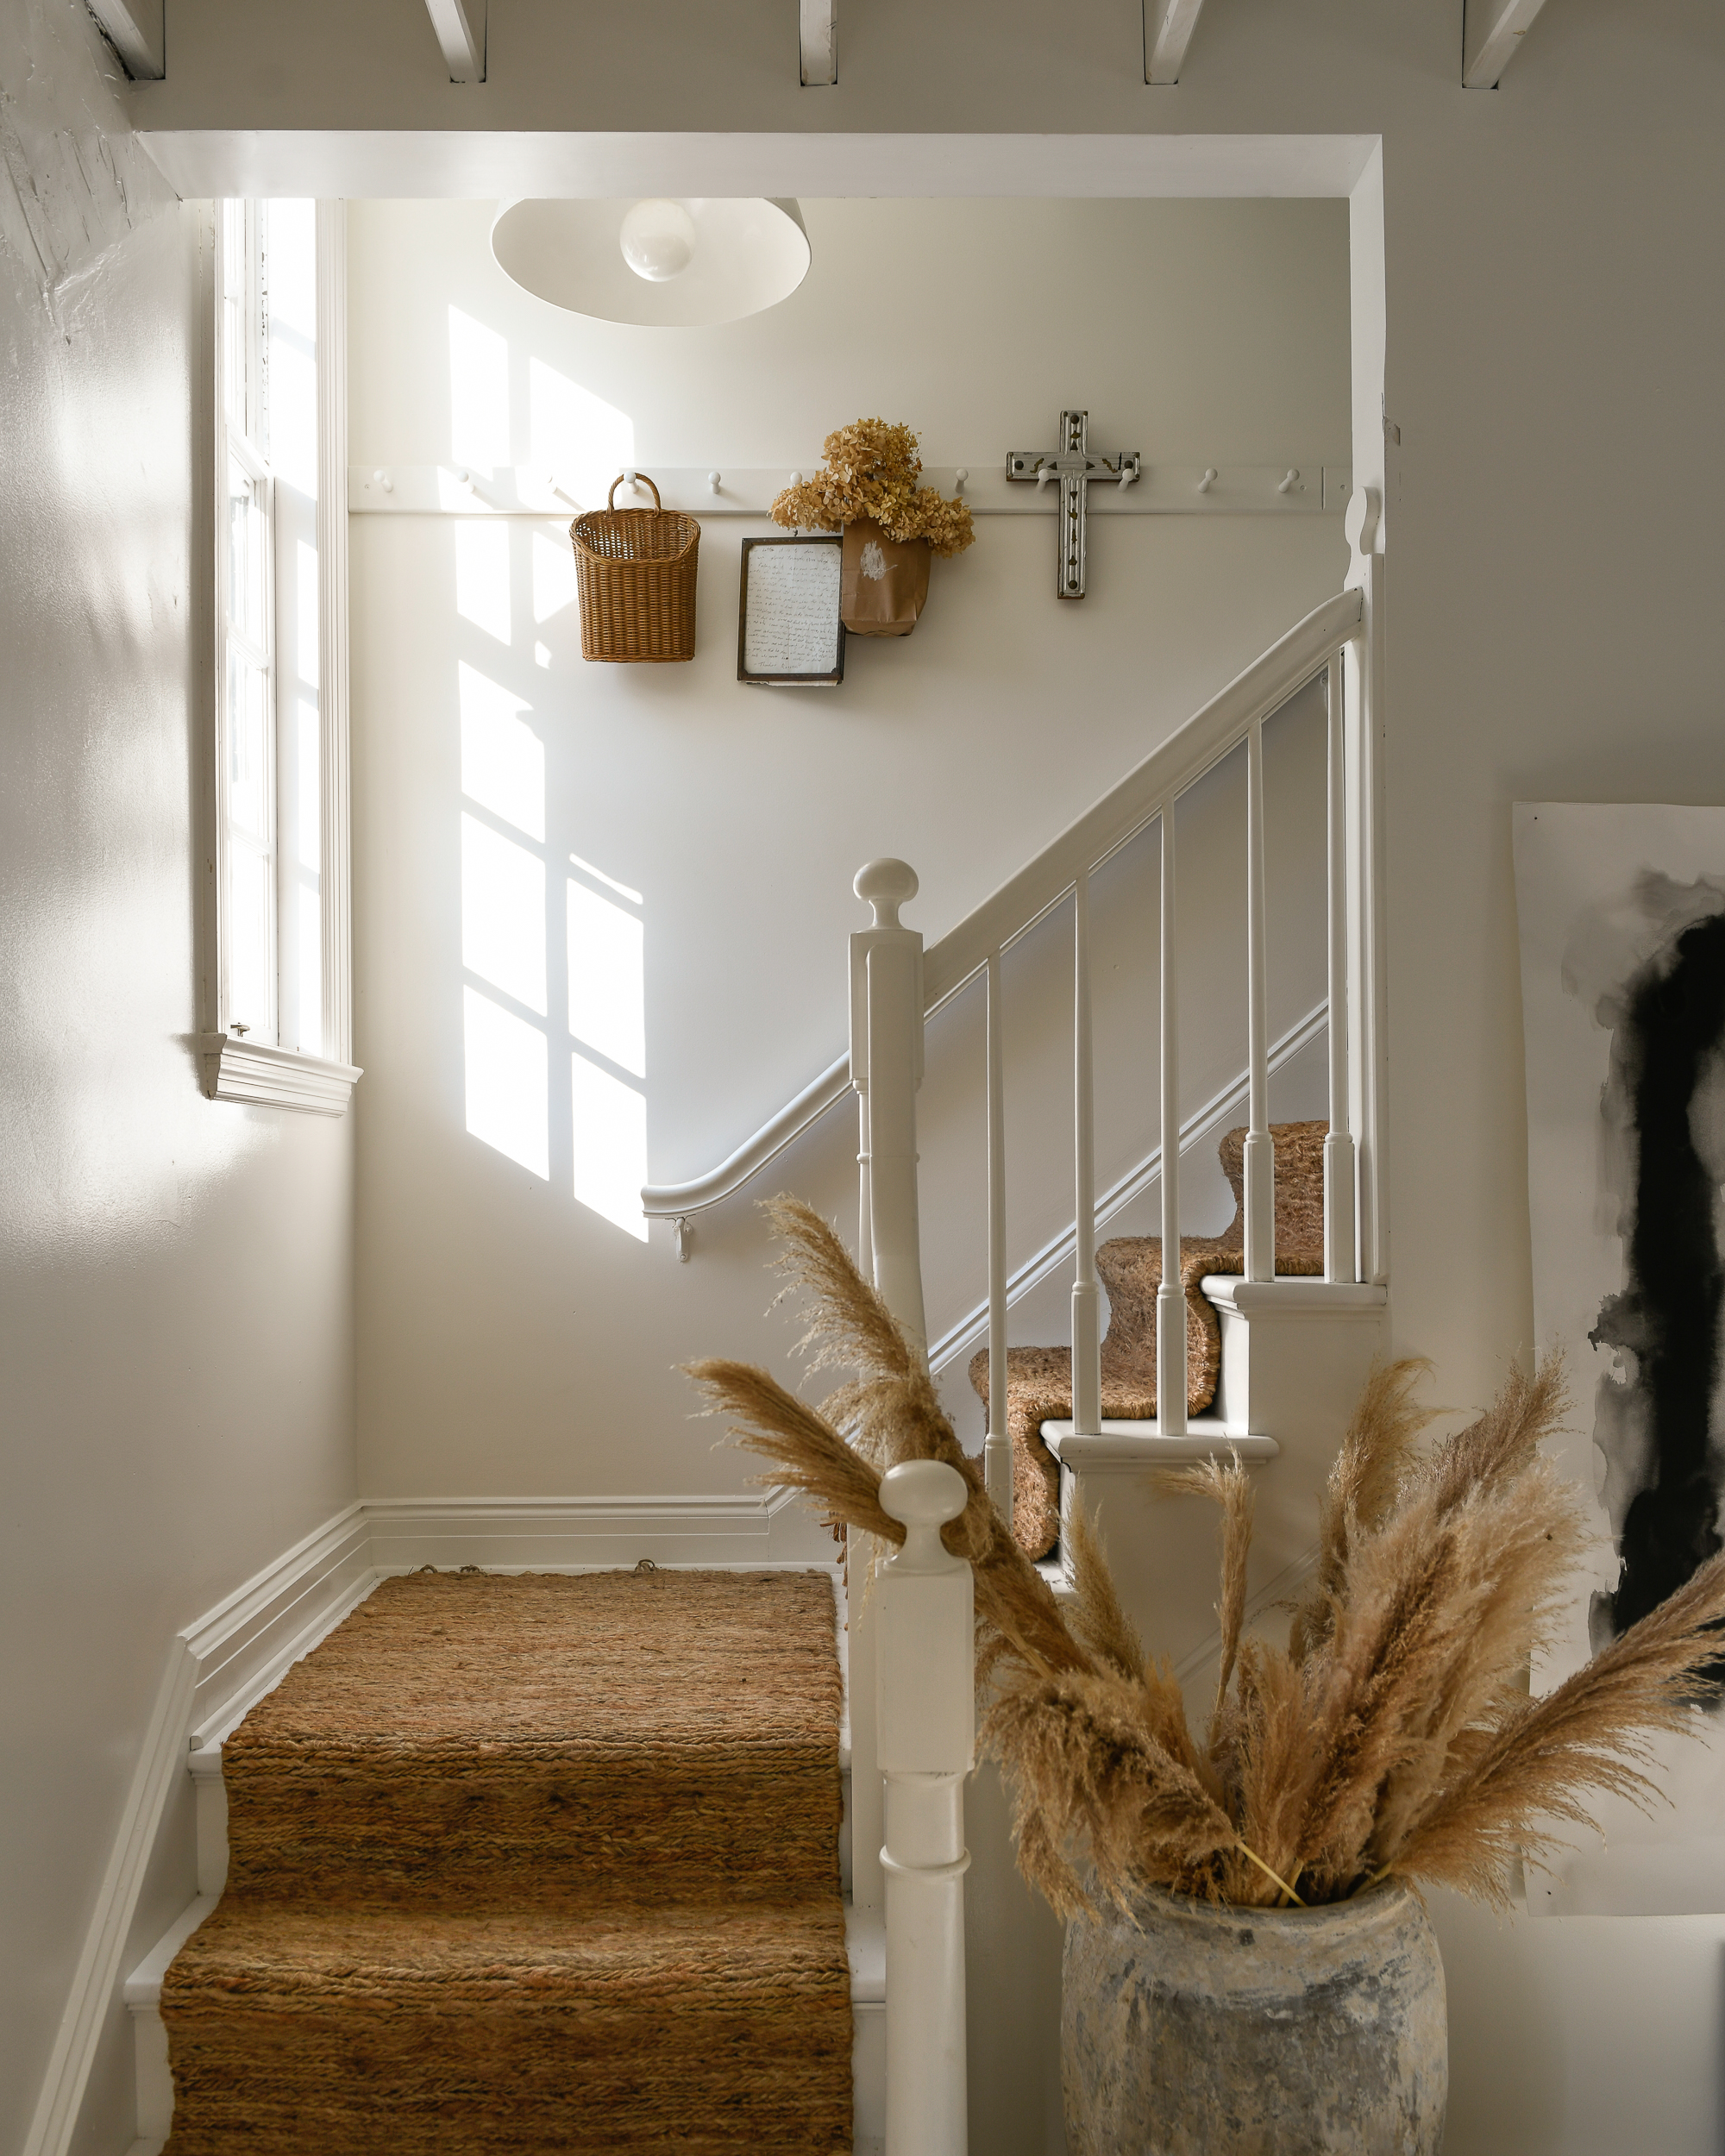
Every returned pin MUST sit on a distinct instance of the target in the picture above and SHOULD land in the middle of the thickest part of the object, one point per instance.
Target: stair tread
(537, 1931)
(283, 1944)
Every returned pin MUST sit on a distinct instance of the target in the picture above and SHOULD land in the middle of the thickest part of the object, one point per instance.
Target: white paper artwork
(1623, 929)
(791, 619)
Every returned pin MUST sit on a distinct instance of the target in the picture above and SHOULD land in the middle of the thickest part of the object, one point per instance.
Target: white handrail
(1023, 899)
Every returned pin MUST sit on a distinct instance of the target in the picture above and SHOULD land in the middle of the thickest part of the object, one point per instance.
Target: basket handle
(640, 479)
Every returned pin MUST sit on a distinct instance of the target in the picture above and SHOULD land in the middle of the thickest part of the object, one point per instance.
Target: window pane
(247, 555)
(248, 936)
(249, 750)
(233, 340)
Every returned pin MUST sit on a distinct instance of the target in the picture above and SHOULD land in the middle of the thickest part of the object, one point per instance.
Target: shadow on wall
(553, 946)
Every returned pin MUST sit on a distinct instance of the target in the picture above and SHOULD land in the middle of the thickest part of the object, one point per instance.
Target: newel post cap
(887, 885)
(924, 1495)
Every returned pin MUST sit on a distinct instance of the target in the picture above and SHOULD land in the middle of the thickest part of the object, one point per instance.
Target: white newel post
(927, 1729)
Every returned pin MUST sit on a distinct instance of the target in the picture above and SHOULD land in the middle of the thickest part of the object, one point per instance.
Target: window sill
(236, 1069)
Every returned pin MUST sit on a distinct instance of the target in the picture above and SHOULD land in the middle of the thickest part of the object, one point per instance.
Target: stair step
(1126, 1443)
(865, 1948)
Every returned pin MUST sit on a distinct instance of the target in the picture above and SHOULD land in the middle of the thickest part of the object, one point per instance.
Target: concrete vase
(1312, 2032)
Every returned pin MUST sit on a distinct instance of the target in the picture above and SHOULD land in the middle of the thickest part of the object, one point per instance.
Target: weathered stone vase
(1290, 2032)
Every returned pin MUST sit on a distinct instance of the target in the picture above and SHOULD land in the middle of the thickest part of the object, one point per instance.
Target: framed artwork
(1623, 931)
(789, 630)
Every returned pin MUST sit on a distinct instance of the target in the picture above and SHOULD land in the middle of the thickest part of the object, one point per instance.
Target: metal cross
(1073, 464)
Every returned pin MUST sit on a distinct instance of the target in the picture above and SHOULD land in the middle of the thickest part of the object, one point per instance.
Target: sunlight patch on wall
(554, 577)
(482, 574)
(607, 988)
(577, 436)
(503, 913)
(478, 393)
(611, 1145)
(507, 1083)
(503, 759)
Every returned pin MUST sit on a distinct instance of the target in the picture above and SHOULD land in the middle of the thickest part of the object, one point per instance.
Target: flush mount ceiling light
(664, 264)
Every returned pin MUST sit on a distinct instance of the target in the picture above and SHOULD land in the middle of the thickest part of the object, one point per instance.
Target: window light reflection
(507, 1083)
(606, 988)
(554, 577)
(610, 1120)
(580, 437)
(478, 393)
(482, 574)
(503, 913)
(503, 759)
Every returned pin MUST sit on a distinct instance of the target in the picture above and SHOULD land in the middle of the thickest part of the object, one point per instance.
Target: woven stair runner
(1039, 1380)
(532, 1862)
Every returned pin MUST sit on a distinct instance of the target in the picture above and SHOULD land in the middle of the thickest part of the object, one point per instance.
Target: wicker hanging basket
(636, 568)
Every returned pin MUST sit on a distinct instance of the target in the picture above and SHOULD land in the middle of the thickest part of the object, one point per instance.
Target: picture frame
(789, 634)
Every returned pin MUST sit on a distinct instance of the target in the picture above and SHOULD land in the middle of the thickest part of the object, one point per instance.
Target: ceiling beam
(1168, 28)
(133, 28)
(818, 31)
(460, 27)
(1491, 31)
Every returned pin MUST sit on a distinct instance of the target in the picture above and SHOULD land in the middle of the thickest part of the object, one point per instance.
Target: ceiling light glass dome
(666, 264)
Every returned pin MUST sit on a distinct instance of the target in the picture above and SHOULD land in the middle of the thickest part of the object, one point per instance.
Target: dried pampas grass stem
(1390, 1738)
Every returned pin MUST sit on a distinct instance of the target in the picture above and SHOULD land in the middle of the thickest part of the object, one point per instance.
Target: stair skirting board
(216, 1667)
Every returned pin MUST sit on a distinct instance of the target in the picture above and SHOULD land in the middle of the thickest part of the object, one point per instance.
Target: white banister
(1340, 1262)
(997, 1448)
(926, 1736)
(1170, 1296)
(1023, 899)
(886, 1050)
(1259, 1203)
(1087, 1351)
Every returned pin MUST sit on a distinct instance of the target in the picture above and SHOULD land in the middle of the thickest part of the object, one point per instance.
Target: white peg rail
(926, 1739)
(542, 490)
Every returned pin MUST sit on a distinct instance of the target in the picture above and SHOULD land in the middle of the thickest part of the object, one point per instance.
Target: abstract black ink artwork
(1622, 917)
(1663, 1108)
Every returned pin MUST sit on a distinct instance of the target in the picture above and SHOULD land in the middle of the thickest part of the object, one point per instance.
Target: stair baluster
(887, 1027)
(997, 1448)
(926, 1721)
(1259, 1205)
(1170, 1297)
(1340, 1262)
(1086, 1332)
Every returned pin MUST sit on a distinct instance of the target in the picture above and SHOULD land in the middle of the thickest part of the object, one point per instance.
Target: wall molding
(219, 1665)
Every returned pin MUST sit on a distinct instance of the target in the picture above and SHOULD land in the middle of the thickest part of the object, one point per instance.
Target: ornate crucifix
(1073, 465)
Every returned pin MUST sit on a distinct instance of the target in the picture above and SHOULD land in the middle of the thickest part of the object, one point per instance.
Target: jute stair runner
(532, 1862)
(1039, 1380)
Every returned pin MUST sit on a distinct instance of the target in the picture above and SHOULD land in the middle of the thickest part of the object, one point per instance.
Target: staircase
(496, 1872)
(1290, 1351)
(1289, 1348)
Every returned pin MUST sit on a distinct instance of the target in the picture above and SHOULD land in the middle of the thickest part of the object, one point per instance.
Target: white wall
(510, 1337)
(1553, 260)
(175, 1321)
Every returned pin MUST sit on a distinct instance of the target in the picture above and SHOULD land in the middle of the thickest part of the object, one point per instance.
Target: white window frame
(234, 1066)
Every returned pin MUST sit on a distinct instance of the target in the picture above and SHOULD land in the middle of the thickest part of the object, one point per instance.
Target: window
(277, 1024)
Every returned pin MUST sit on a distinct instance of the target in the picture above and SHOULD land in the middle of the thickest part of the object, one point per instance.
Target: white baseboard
(233, 1653)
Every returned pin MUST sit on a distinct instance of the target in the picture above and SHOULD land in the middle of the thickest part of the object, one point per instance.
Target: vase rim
(1373, 1901)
